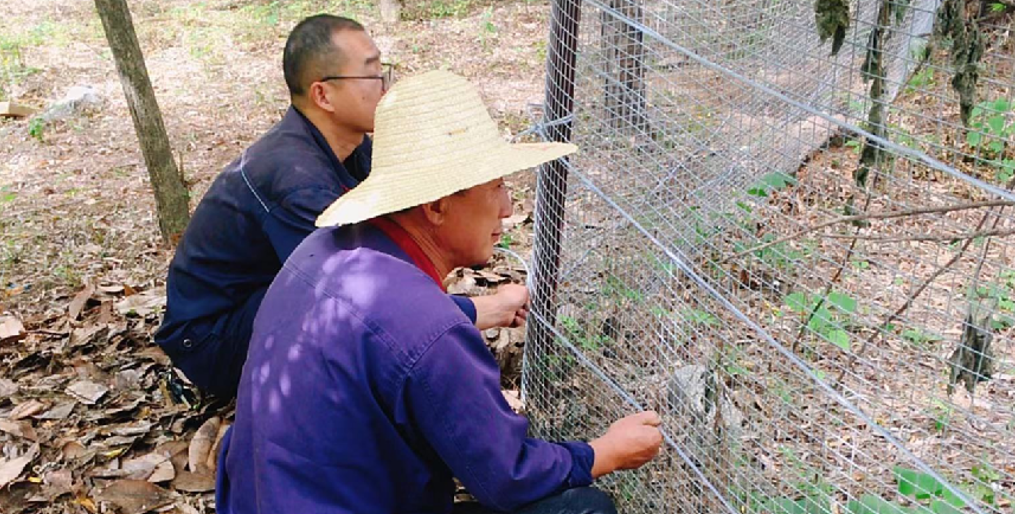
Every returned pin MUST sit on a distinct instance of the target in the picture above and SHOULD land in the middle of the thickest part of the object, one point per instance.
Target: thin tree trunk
(624, 47)
(171, 196)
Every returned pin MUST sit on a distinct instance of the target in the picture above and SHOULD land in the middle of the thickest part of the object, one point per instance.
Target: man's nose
(506, 207)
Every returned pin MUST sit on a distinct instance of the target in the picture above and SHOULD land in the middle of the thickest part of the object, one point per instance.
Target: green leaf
(785, 506)
(840, 338)
(918, 485)
(1001, 105)
(771, 182)
(952, 500)
(943, 507)
(842, 302)
(821, 320)
(870, 504)
(996, 146)
(797, 302)
(974, 138)
(996, 123)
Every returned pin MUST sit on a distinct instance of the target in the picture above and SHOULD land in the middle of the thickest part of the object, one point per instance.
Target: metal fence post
(551, 185)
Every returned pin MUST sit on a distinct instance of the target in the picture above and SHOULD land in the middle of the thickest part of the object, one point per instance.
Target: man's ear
(317, 93)
(436, 212)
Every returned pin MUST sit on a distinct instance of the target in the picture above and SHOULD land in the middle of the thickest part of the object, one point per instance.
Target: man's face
(473, 224)
(356, 99)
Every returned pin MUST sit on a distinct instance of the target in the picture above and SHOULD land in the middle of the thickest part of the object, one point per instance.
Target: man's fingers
(650, 418)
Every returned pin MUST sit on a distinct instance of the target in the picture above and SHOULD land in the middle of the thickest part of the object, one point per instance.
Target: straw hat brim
(388, 191)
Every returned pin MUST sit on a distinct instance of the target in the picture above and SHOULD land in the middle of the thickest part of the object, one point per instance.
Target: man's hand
(508, 307)
(629, 443)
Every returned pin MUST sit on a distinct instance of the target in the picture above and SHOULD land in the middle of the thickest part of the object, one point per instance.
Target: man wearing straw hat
(265, 203)
(366, 388)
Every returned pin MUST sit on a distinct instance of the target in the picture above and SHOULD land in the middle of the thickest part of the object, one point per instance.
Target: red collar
(401, 238)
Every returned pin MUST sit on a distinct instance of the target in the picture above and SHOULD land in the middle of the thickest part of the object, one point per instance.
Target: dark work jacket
(366, 390)
(252, 217)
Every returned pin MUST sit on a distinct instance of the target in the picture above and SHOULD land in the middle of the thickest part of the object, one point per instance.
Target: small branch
(909, 302)
(952, 237)
(872, 216)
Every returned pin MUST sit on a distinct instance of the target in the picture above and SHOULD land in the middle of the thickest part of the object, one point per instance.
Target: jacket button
(187, 343)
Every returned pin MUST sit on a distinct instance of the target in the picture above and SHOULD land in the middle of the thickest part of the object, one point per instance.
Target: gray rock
(77, 100)
(691, 395)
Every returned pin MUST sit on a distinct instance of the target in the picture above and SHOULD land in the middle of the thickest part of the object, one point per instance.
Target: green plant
(919, 337)
(922, 78)
(984, 475)
(505, 240)
(775, 181)
(991, 125)
(1003, 293)
(615, 287)
(487, 29)
(36, 127)
(942, 414)
(580, 337)
(7, 196)
(826, 316)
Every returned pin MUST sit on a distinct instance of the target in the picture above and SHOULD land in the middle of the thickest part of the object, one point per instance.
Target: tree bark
(171, 195)
(391, 10)
(624, 47)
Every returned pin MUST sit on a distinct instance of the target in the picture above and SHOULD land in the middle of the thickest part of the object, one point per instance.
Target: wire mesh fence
(799, 258)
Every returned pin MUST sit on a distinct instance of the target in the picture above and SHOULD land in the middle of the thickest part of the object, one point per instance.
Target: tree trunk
(624, 47)
(171, 196)
(391, 10)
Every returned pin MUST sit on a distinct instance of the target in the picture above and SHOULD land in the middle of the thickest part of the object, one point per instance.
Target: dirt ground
(91, 415)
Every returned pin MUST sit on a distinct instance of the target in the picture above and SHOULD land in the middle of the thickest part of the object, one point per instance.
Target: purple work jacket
(367, 389)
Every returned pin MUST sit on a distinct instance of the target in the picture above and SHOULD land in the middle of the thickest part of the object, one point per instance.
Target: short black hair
(309, 45)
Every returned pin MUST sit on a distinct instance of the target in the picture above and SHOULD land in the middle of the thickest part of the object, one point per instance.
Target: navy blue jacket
(252, 217)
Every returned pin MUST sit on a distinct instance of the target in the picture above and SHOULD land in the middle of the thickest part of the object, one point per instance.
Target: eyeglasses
(384, 77)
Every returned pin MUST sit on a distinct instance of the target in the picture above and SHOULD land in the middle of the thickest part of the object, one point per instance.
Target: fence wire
(800, 260)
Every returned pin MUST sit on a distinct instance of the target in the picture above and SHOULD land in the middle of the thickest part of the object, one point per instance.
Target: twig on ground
(993, 232)
(872, 216)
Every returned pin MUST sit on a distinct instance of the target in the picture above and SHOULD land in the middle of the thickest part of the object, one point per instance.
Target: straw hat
(433, 137)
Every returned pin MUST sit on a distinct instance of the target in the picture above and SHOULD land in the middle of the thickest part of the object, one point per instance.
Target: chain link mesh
(814, 342)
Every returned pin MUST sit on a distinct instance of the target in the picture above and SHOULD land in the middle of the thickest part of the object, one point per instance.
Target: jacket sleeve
(453, 392)
(293, 219)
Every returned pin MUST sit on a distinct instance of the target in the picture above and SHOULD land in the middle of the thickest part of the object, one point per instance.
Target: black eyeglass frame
(384, 77)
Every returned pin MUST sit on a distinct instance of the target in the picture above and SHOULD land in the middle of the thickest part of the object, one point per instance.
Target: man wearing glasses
(266, 201)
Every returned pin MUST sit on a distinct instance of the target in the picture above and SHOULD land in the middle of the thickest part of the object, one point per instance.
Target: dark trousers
(211, 351)
(580, 500)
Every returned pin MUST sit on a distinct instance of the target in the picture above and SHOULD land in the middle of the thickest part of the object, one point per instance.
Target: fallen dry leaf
(194, 482)
(201, 444)
(72, 450)
(164, 472)
(212, 463)
(513, 221)
(142, 304)
(135, 496)
(176, 451)
(142, 467)
(57, 483)
(11, 329)
(79, 302)
(10, 470)
(19, 429)
(7, 388)
(514, 400)
(87, 392)
(26, 409)
(61, 411)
